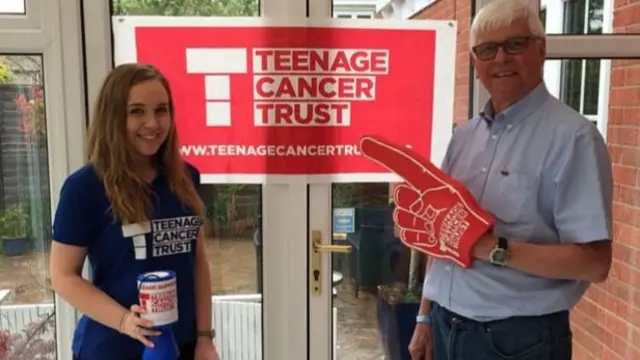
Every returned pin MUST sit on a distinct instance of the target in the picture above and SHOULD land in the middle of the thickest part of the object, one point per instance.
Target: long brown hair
(112, 155)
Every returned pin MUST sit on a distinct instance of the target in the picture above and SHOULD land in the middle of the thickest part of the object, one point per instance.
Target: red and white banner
(256, 101)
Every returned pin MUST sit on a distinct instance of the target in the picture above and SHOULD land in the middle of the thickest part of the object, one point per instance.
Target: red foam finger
(421, 243)
(408, 198)
(408, 221)
(418, 241)
(407, 165)
(435, 213)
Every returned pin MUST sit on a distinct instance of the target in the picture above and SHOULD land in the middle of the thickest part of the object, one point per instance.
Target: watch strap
(207, 333)
(503, 243)
(423, 319)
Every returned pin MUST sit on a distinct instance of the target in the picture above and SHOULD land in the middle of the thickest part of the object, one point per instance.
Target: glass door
(255, 230)
(41, 109)
(364, 266)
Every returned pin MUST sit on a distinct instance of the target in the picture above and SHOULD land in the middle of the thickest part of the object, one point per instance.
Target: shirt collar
(521, 108)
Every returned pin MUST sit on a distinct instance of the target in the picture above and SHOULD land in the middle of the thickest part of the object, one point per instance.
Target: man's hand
(420, 346)
(435, 214)
(482, 249)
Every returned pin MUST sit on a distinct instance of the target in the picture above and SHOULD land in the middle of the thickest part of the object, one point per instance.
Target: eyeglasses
(511, 46)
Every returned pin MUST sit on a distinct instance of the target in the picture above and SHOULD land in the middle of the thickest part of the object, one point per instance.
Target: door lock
(317, 248)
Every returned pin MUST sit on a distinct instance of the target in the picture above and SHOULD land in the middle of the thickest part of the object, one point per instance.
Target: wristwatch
(211, 334)
(423, 319)
(500, 254)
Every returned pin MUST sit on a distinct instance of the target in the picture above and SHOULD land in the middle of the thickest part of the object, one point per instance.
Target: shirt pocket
(512, 198)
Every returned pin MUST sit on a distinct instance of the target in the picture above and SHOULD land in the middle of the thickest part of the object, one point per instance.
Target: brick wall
(459, 10)
(607, 322)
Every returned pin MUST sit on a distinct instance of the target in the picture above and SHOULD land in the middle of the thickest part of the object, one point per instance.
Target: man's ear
(473, 60)
(543, 48)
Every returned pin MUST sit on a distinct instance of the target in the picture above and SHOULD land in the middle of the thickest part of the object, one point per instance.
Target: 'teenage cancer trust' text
(313, 87)
(305, 88)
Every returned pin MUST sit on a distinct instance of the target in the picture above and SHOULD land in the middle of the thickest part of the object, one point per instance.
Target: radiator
(238, 323)
(236, 318)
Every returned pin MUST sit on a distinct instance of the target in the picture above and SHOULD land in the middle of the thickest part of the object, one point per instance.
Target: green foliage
(360, 194)
(187, 7)
(14, 221)
(6, 75)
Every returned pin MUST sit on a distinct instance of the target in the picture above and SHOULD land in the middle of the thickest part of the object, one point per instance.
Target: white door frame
(52, 29)
(322, 344)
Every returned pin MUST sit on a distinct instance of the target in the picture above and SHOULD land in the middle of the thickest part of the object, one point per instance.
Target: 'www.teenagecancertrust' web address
(270, 150)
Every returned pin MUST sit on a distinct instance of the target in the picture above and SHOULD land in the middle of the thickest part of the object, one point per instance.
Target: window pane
(233, 224)
(591, 87)
(187, 8)
(27, 316)
(12, 7)
(574, 17)
(571, 83)
(374, 257)
(577, 83)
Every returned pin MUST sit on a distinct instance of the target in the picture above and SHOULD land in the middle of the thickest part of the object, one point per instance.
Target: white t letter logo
(137, 233)
(217, 65)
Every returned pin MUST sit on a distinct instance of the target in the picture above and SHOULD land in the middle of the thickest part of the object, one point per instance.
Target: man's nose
(501, 56)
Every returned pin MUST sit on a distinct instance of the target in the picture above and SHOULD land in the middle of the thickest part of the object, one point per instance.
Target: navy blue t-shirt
(118, 256)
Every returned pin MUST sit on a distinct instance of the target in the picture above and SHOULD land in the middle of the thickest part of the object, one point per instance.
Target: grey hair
(501, 13)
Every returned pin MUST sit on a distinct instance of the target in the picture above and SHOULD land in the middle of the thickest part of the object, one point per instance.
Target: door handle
(317, 245)
(318, 248)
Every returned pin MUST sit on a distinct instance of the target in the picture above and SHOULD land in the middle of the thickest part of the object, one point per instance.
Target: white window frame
(353, 14)
(41, 31)
(607, 47)
(553, 69)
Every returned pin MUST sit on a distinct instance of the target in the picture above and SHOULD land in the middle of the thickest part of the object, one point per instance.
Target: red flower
(5, 337)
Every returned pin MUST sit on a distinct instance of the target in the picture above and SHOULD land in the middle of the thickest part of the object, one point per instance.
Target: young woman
(134, 179)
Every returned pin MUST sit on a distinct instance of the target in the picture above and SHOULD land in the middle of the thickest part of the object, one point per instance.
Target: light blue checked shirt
(543, 170)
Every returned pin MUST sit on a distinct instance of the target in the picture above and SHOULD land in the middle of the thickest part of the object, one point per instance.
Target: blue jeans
(545, 337)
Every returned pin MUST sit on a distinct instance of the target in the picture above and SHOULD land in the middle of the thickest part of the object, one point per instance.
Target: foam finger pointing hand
(407, 197)
(407, 220)
(403, 161)
(417, 240)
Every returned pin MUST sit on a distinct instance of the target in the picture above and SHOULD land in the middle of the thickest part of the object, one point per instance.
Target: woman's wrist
(123, 319)
(206, 334)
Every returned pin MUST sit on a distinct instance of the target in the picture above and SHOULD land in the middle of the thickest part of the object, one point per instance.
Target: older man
(544, 172)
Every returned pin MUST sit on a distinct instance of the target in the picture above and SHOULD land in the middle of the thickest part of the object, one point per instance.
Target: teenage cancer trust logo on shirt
(166, 236)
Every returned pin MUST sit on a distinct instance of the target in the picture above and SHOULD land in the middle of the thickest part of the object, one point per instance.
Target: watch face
(498, 256)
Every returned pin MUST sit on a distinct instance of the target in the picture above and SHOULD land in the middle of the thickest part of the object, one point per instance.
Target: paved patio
(234, 272)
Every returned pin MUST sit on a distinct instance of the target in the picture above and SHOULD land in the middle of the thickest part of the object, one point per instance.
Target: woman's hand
(205, 350)
(132, 325)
